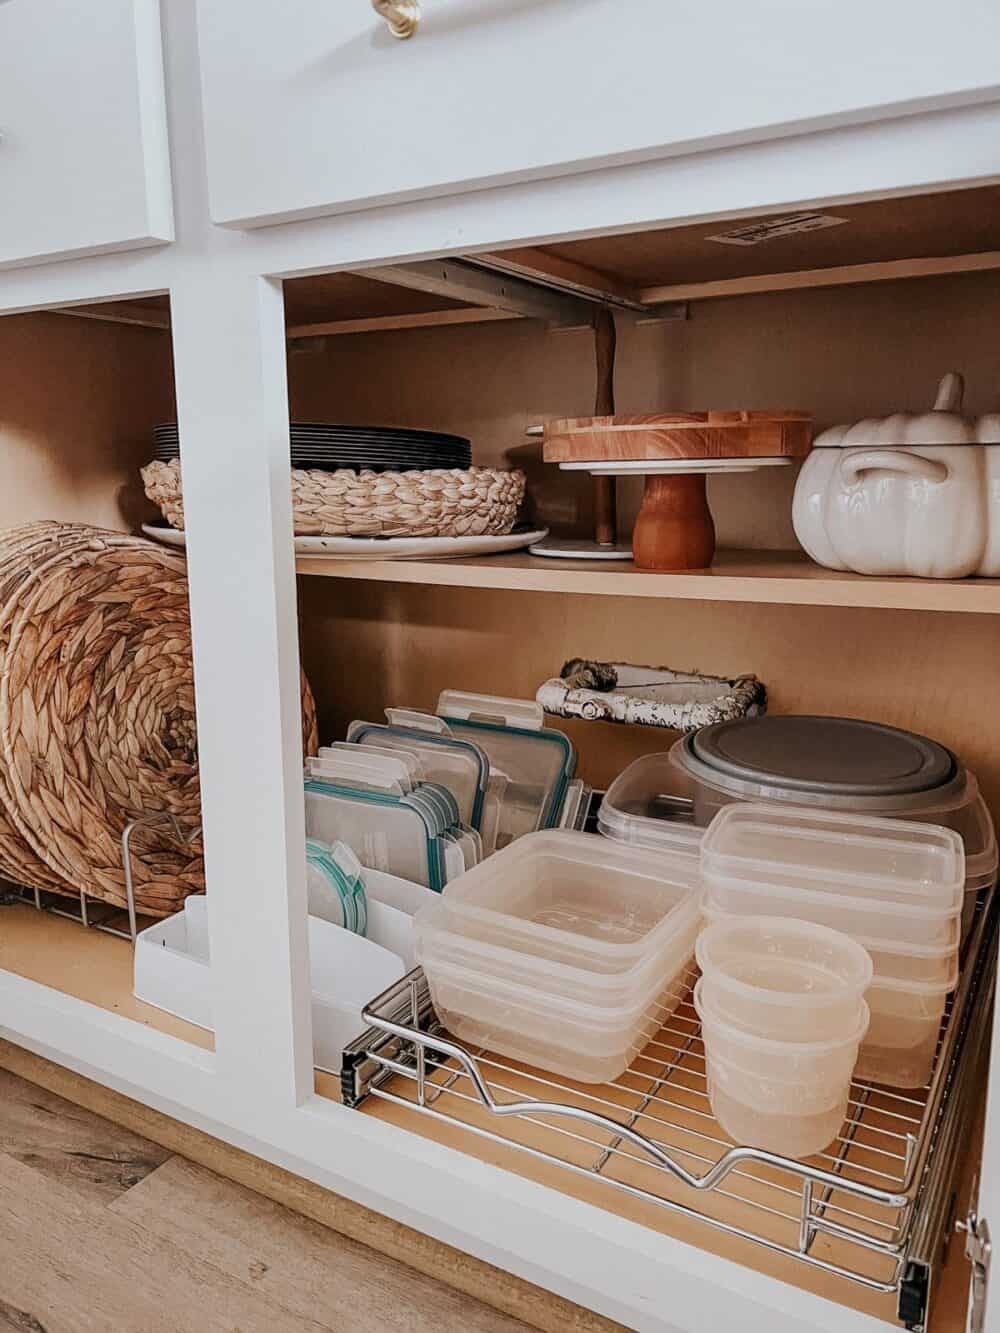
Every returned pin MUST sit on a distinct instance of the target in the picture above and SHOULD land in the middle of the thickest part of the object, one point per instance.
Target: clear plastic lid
(538, 761)
(886, 860)
(638, 808)
(456, 764)
(385, 831)
(524, 714)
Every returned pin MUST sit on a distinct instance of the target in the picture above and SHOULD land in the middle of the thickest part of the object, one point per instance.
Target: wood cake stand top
(659, 435)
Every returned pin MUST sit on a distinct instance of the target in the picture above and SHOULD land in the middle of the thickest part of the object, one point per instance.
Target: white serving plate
(669, 467)
(384, 548)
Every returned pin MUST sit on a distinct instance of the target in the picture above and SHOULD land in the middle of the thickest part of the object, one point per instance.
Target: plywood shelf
(781, 577)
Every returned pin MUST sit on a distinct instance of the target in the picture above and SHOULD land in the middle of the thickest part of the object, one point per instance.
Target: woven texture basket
(97, 722)
(468, 502)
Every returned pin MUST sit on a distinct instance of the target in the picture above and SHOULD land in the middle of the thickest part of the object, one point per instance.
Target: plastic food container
(563, 950)
(637, 810)
(903, 1036)
(784, 1096)
(785, 979)
(907, 997)
(878, 881)
(885, 879)
(834, 763)
(538, 761)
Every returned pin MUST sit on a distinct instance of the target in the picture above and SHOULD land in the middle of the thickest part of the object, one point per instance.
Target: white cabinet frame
(256, 1090)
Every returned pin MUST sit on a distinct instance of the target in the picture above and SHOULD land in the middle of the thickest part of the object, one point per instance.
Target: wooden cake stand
(675, 451)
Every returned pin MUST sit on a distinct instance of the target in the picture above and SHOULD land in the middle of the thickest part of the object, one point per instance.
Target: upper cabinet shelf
(644, 274)
(313, 108)
(783, 577)
(84, 166)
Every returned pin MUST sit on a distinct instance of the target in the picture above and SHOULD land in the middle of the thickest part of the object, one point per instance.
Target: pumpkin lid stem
(950, 393)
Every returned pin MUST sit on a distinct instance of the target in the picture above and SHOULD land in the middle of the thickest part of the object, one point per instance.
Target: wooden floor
(102, 1230)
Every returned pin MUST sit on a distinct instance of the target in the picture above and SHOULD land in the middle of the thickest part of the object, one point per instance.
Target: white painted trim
(228, 333)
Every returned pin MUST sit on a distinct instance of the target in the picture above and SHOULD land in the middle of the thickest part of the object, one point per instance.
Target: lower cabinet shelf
(862, 1224)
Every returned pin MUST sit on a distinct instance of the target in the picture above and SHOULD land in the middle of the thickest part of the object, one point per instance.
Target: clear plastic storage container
(538, 761)
(563, 950)
(878, 881)
(832, 763)
(781, 978)
(887, 879)
(783, 1096)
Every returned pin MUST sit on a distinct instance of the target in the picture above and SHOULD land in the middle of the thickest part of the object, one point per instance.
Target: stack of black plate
(374, 448)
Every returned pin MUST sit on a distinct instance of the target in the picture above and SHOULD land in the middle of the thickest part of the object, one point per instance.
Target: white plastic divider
(173, 963)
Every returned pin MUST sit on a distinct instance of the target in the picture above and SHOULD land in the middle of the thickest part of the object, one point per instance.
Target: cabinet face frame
(256, 1090)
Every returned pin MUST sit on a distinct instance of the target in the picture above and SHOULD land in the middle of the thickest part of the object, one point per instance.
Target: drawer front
(313, 107)
(83, 157)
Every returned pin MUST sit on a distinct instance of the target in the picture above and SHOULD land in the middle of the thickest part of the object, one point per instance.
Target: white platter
(579, 548)
(384, 548)
(666, 467)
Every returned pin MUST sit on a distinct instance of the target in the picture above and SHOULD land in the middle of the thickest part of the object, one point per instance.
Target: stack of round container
(782, 1010)
(894, 886)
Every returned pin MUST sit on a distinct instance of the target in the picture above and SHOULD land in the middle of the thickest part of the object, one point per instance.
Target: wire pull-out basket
(871, 1210)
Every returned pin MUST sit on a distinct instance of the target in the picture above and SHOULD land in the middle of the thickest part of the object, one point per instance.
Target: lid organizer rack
(871, 1210)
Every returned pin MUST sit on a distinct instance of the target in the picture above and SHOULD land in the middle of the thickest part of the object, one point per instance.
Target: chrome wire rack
(95, 913)
(872, 1209)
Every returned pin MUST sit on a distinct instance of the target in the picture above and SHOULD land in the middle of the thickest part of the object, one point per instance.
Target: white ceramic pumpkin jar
(909, 494)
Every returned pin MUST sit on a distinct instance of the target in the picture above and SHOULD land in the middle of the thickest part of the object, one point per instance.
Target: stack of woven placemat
(97, 721)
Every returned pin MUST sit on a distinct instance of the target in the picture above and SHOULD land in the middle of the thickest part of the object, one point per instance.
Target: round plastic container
(906, 1001)
(786, 1096)
(782, 1124)
(785, 979)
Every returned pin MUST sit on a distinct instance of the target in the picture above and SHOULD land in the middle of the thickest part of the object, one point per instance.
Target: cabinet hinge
(978, 1250)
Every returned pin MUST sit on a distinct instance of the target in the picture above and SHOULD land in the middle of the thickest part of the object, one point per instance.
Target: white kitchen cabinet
(313, 108)
(83, 153)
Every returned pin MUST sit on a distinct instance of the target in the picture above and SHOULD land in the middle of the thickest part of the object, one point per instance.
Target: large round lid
(835, 756)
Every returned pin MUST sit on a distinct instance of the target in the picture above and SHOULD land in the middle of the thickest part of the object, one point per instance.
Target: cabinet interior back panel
(842, 354)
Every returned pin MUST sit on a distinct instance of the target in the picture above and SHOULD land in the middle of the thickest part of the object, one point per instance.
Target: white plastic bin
(172, 970)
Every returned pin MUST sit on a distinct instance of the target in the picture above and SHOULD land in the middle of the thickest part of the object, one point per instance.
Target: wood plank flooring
(102, 1231)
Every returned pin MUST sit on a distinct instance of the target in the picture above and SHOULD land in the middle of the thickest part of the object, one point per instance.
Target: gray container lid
(834, 756)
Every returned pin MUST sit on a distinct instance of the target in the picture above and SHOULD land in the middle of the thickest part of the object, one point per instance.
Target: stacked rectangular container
(562, 950)
(895, 886)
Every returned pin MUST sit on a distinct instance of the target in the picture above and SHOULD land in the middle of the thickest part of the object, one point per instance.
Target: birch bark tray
(674, 450)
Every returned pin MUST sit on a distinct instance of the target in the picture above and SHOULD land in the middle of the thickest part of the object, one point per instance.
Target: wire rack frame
(96, 913)
(849, 1211)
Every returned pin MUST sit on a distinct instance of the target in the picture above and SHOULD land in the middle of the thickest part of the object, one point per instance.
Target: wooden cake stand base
(674, 529)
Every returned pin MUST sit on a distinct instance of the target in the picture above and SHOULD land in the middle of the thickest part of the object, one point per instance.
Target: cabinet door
(83, 154)
(313, 107)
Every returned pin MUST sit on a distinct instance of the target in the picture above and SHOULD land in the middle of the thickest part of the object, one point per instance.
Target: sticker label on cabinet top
(755, 232)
